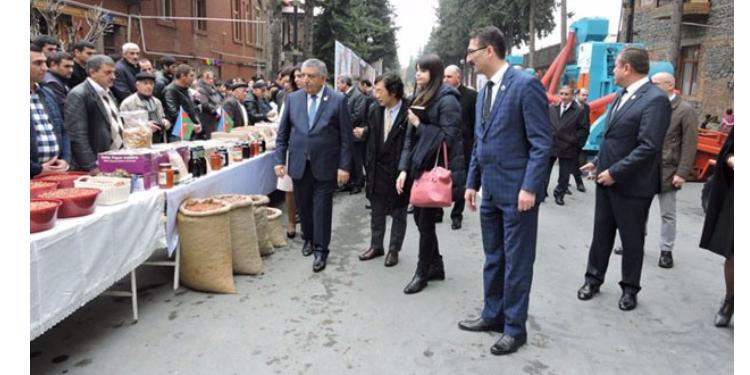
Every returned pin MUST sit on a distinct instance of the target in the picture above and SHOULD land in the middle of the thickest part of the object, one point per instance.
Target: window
(166, 8)
(259, 34)
(200, 12)
(237, 26)
(688, 81)
(249, 34)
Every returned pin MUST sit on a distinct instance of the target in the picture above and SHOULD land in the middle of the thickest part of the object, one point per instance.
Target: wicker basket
(265, 244)
(245, 254)
(206, 246)
(278, 237)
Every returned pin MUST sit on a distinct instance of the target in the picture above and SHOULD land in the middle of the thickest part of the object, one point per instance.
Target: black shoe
(567, 192)
(291, 235)
(724, 316)
(628, 301)
(456, 224)
(480, 325)
(319, 263)
(559, 199)
(437, 270)
(410, 209)
(343, 189)
(618, 250)
(391, 259)
(581, 187)
(368, 206)
(355, 190)
(416, 284)
(307, 248)
(665, 260)
(439, 216)
(587, 291)
(508, 344)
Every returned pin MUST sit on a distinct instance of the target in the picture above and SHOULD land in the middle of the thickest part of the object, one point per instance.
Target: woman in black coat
(718, 228)
(440, 123)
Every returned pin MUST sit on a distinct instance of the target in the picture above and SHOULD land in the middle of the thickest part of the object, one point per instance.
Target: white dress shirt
(631, 89)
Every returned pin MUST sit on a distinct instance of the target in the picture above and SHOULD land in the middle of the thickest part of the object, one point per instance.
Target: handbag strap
(445, 156)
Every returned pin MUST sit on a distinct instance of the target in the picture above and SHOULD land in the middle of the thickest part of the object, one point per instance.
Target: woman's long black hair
(434, 65)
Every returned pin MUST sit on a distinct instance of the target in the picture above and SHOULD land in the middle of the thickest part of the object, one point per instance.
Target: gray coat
(678, 152)
(87, 125)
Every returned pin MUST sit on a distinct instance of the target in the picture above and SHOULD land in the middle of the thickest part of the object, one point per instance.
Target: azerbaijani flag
(183, 128)
(225, 122)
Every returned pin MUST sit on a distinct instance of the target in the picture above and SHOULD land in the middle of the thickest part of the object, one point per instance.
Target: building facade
(163, 27)
(705, 71)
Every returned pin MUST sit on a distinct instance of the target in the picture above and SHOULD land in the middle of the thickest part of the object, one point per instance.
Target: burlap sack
(278, 237)
(265, 244)
(245, 254)
(205, 246)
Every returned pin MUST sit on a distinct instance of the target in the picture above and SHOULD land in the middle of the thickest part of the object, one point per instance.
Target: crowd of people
(502, 140)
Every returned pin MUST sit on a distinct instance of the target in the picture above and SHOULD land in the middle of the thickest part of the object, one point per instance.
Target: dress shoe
(368, 206)
(568, 192)
(665, 260)
(456, 224)
(291, 235)
(416, 284)
(343, 189)
(618, 250)
(724, 316)
(355, 190)
(480, 325)
(508, 344)
(319, 263)
(587, 291)
(628, 301)
(410, 209)
(559, 199)
(436, 271)
(371, 253)
(307, 248)
(391, 259)
(581, 187)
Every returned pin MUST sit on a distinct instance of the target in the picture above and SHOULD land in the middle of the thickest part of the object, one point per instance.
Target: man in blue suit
(317, 132)
(628, 170)
(513, 139)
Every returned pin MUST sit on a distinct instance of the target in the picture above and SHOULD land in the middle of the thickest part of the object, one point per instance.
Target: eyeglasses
(470, 51)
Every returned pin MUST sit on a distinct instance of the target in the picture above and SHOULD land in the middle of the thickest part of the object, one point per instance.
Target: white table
(80, 258)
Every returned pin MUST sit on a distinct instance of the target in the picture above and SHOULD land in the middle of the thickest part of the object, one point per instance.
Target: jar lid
(165, 165)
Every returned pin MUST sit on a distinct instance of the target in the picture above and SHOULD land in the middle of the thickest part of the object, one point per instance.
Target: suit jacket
(327, 144)
(257, 109)
(124, 79)
(680, 143)
(88, 125)
(210, 100)
(58, 88)
(468, 101)
(79, 75)
(632, 143)
(383, 156)
(233, 109)
(357, 103)
(512, 150)
(569, 130)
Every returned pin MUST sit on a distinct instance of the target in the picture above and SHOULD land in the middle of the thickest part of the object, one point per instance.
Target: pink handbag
(434, 188)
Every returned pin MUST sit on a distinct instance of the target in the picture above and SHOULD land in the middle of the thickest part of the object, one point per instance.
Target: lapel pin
(325, 98)
(502, 88)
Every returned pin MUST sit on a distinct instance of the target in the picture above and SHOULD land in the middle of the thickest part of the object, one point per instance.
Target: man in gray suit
(317, 132)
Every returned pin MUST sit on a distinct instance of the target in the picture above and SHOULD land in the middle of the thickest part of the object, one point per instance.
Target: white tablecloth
(81, 257)
(251, 176)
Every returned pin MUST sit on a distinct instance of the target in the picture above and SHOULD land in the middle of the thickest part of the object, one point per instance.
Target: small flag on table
(183, 128)
(225, 122)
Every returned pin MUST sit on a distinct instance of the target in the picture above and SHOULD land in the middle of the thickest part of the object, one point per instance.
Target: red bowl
(39, 187)
(76, 201)
(43, 215)
(64, 179)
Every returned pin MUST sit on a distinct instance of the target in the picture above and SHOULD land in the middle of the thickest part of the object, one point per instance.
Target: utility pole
(674, 49)
(532, 34)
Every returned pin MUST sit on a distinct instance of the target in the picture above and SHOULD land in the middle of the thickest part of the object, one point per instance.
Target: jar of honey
(217, 161)
(166, 176)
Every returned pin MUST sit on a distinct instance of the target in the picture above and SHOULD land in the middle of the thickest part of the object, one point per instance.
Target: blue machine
(514, 60)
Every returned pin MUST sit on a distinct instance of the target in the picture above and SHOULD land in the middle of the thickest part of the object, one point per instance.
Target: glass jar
(245, 150)
(237, 153)
(166, 176)
(216, 161)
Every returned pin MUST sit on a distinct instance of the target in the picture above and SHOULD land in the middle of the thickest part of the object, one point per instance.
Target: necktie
(387, 125)
(619, 102)
(563, 108)
(114, 123)
(487, 106)
(311, 112)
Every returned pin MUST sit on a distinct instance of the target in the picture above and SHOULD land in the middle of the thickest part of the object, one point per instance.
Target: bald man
(468, 99)
(678, 155)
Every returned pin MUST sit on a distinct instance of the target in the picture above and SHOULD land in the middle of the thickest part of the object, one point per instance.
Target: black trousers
(566, 167)
(577, 175)
(428, 243)
(381, 209)
(315, 204)
(628, 215)
(358, 164)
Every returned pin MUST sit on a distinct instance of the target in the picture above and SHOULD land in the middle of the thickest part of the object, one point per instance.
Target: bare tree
(49, 11)
(98, 23)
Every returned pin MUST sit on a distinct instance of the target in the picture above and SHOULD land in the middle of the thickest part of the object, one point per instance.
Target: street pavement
(353, 317)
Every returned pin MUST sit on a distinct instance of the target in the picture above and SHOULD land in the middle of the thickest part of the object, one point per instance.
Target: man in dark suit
(357, 102)
(468, 100)
(317, 132)
(92, 117)
(387, 123)
(582, 98)
(569, 134)
(82, 52)
(512, 145)
(628, 174)
(125, 70)
(233, 103)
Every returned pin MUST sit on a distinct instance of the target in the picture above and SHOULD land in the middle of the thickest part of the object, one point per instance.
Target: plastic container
(39, 187)
(115, 190)
(63, 179)
(135, 130)
(43, 214)
(76, 201)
